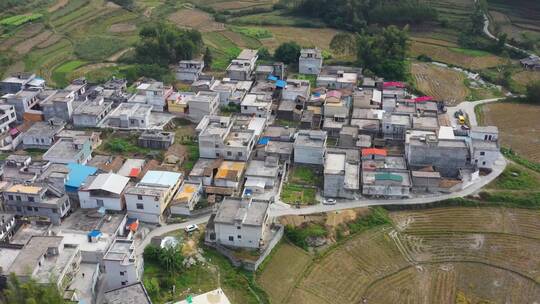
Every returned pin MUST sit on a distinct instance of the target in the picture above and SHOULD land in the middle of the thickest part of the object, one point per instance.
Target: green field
(20, 19)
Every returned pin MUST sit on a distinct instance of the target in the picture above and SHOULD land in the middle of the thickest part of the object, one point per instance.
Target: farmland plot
(443, 83)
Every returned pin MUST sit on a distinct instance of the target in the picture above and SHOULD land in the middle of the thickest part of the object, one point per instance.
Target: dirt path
(58, 5)
(119, 54)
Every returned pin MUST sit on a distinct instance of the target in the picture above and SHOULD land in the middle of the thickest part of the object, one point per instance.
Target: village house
(262, 177)
(296, 88)
(187, 197)
(342, 173)
(310, 147)
(268, 71)
(133, 293)
(386, 184)
(20, 81)
(177, 103)
(23, 101)
(7, 226)
(129, 116)
(92, 112)
(8, 141)
(531, 63)
(189, 70)
(42, 134)
(45, 259)
(243, 66)
(149, 200)
(204, 103)
(204, 83)
(156, 140)
(256, 105)
(37, 200)
(70, 150)
(152, 93)
(310, 61)
(104, 190)
(120, 265)
(239, 223)
(22, 169)
(203, 171)
(485, 146)
(338, 77)
(58, 105)
(228, 178)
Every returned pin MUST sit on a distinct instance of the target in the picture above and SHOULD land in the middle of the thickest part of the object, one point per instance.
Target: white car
(329, 201)
(191, 228)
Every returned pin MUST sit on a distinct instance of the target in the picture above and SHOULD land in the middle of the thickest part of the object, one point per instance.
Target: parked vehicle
(191, 228)
(329, 201)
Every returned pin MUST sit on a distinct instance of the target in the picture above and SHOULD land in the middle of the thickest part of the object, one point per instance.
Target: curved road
(493, 37)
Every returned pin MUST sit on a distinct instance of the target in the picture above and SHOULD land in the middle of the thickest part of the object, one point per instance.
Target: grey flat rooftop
(32, 252)
(27, 231)
(485, 129)
(84, 284)
(426, 122)
(334, 163)
(482, 144)
(120, 250)
(311, 139)
(86, 220)
(134, 293)
(44, 129)
(279, 147)
(7, 257)
(63, 148)
(260, 169)
(92, 108)
(241, 210)
(200, 166)
(247, 54)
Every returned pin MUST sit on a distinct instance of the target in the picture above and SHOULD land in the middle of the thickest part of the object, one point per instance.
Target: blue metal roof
(264, 140)
(94, 233)
(272, 78)
(163, 178)
(78, 174)
(281, 83)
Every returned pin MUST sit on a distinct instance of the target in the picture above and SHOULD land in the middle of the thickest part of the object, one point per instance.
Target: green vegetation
(98, 47)
(516, 178)
(254, 32)
(60, 74)
(305, 175)
(298, 194)
(311, 78)
(164, 44)
(377, 217)
(299, 235)
(288, 53)
(533, 92)
(29, 292)
(20, 19)
(512, 155)
(469, 52)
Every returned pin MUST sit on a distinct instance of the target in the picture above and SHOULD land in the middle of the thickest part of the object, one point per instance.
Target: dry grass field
(303, 36)
(518, 124)
(436, 255)
(443, 83)
(523, 78)
(439, 52)
(195, 19)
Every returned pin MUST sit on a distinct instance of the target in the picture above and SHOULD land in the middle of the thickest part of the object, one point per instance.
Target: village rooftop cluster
(74, 213)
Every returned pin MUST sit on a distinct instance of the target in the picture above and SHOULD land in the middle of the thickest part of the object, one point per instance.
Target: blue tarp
(94, 233)
(281, 83)
(264, 140)
(272, 78)
(78, 174)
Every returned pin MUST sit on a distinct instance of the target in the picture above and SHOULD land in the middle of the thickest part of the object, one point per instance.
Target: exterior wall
(249, 235)
(237, 75)
(311, 66)
(110, 203)
(39, 142)
(25, 208)
(487, 136)
(485, 159)
(385, 190)
(226, 183)
(256, 111)
(197, 110)
(446, 160)
(83, 120)
(308, 155)
(112, 273)
(331, 111)
(62, 110)
(152, 208)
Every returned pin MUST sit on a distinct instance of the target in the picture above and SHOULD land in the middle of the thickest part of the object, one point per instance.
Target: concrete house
(531, 63)
(264, 71)
(177, 103)
(338, 78)
(59, 105)
(485, 146)
(120, 265)
(43, 256)
(7, 226)
(240, 223)
(186, 198)
(104, 190)
(189, 70)
(156, 140)
(37, 200)
(310, 61)
(129, 116)
(92, 112)
(228, 178)
(225, 88)
(228, 138)
(204, 103)
(310, 147)
(42, 134)
(395, 126)
(256, 105)
(70, 150)
(149, 200)
(262, 179)
(8, 141)
(23, 101)
(134, 293)
(296, 88)
(20, 81)
(152, 93)
(243, 66)
(386, 184)
(342, 173)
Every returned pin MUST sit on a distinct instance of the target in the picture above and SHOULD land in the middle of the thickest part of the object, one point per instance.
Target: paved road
(281, 209)
(493, 37)
(468, 108)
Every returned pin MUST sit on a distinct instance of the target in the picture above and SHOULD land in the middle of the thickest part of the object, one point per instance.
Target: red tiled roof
(374, 151)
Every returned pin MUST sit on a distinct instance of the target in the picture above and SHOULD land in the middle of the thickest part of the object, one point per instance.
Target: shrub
(151, 253)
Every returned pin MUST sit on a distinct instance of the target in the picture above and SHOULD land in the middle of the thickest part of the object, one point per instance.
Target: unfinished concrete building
(342, 173)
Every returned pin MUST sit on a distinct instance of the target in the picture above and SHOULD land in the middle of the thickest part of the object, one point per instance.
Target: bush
(98, 48)
(151, 253)
(533, 92)
(424, 58)
(298, 235)
(377, 217)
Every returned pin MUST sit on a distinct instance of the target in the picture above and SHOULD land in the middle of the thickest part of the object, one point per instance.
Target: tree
(31, 292)
(171, 259)
(477, 20)
(207, 58)
(533, 92)
(288, 53)
(264, 54)
(501, 42)
(127, 4)
(151, 253)
(163, 44)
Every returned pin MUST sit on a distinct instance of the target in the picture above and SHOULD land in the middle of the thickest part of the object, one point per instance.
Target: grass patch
(292, 194)
(20, 19)
(253, 32)
(469, 52)
(311, 78)
(377, 217)
(304, 175)
(287, 123)
(511, 154)
(98, 47)
(60, 74)
(299, 235)
(516, 178)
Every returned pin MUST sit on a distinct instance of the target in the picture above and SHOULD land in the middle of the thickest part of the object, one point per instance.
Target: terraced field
(519, 19)
(443, 83)
(436, 255)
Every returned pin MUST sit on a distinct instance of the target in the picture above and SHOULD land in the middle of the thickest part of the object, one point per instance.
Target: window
(140, 206)
(239, 236)
(29, 208)
(483, 163)
(229, 153)
(139, 197)
(142, 121)
(18, 197)
(19, 209)
(238, 227)
(245, 107)
(10, 197)
(99, 203)
(217, 154)
(482, 153)
(36, 209)
(55, 210)
(30, 199)
(124, 283)
(239, 153)
(122, 273)
(231, 238)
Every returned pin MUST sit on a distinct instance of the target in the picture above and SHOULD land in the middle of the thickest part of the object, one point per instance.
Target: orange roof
(374, 151)
(134, 172)
(133, 226)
